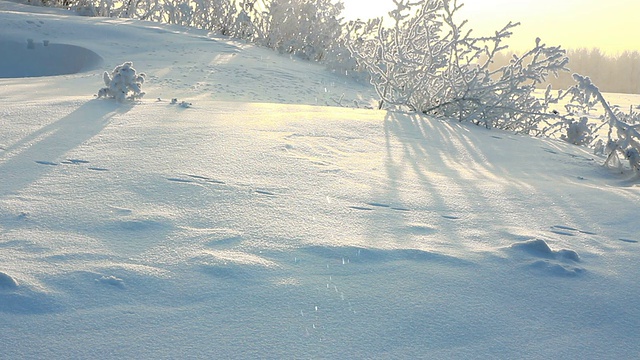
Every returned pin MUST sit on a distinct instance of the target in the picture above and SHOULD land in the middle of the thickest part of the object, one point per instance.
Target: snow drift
(261, 223)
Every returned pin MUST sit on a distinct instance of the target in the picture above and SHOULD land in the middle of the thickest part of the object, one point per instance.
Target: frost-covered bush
(123, 83)
(309, 29)
(430, 63)
(624, 129)
(578, 132)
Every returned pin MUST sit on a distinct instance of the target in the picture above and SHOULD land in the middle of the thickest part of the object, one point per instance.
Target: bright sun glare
(611, 26)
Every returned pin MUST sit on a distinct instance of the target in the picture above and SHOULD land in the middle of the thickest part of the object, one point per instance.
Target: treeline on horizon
(617, 73)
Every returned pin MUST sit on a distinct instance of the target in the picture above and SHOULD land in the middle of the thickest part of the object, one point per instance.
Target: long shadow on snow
(461, 173)
(52, 142)
(467, 174)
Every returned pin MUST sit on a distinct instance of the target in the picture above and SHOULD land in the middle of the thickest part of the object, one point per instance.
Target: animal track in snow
(195, 179)
(44, 162)
(71, 162)
(400, 209)
(371, 206)
(568, 230)
(203, 180)
(75, 161)
(574, 156)
(206, 179)
(178, 180)
(379, 205)
(361, 208)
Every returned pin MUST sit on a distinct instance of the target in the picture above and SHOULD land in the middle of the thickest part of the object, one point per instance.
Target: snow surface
(261, 223)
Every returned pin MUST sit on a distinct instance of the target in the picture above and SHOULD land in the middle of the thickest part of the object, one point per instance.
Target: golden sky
(611, 25)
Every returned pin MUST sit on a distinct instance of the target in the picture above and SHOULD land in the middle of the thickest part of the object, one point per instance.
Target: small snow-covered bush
(123, 83)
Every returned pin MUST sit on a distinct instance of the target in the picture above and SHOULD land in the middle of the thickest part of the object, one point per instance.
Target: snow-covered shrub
(123, 83)
(430, 63)
(579, 132)
(624, 129)
(309, 29)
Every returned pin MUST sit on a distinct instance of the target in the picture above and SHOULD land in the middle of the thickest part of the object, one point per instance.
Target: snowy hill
(261, 223)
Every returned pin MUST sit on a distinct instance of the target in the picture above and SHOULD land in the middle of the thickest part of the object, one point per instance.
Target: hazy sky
(612, 25)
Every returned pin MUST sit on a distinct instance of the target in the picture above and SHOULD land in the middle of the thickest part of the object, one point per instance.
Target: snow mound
(32, 59)
(111, 280)
(549, 261)
(540, 248)
(551, 268)
(7, 282)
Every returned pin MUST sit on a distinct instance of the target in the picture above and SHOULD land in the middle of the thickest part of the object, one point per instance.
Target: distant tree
(616, 73)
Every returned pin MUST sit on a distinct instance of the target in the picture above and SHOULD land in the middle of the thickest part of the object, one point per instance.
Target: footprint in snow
(178, 180)
(568, 230)
(361, 208)
(75, 162)
(70, 162)
(49, 163)
(206, 179)
(373, 205)
(196, 179)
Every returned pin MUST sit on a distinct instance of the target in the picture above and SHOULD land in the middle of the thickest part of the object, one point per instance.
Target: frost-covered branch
(623, 138)
(430, 63)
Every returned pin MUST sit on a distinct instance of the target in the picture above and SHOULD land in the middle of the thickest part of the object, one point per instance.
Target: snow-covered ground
(261, 223)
